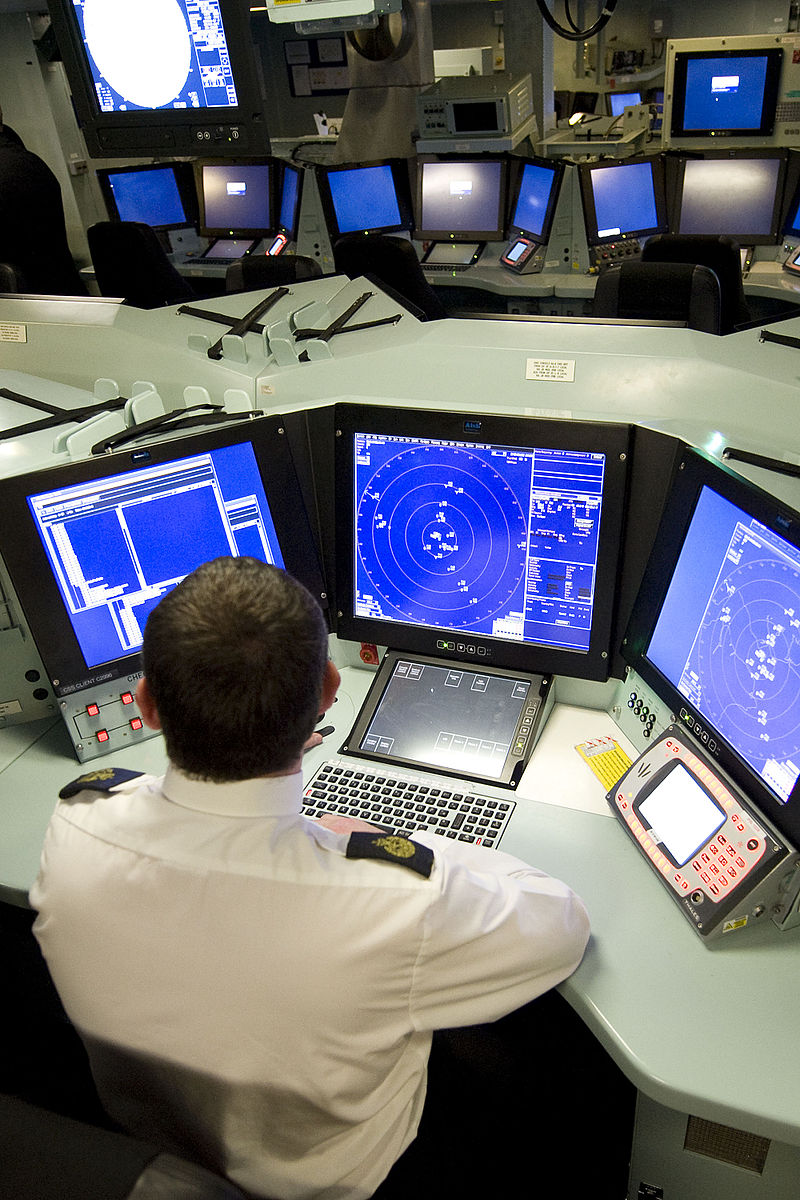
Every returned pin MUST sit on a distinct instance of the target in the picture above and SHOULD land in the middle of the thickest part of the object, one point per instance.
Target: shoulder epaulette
(101, 780)
(391, 847)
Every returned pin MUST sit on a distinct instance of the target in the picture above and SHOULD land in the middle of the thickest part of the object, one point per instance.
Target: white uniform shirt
(275, 999)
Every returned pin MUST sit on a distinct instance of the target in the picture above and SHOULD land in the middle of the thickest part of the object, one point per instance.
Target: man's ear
(330, 685)
(147, 705)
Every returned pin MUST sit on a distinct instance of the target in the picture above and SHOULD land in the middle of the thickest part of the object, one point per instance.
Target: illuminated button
(102, 735)
(93, 710)
(127, 698)
(136, 722)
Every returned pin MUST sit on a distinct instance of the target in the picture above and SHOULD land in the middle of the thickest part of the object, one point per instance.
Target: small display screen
(150, 196)
(619, 101)
(236, 197)
(116, 545)
(458, 254)
(534, 199)
(457, 720)
(681, 815)
(476, 116)
(228, 248)
(516, 252)
(290, 194)
(624, 199)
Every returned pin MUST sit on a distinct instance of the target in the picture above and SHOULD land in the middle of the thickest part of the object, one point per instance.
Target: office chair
(129, 261)
(12, 279)
(257, 271)
(722, 254)
(392, 263)
(661, 291)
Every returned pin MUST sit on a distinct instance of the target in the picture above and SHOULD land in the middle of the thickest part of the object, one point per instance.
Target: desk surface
(711, 1032)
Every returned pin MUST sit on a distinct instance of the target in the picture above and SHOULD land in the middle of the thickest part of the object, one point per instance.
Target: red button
(127, 698)
(136, 723)
(102, 735)
(93, 710)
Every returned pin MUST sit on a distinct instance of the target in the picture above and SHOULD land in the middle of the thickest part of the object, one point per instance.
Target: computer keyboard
(407, 803)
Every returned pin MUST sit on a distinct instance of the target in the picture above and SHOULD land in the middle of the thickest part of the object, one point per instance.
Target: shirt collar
(278, 796)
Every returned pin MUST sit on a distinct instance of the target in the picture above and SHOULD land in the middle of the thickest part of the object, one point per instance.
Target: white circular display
(142, 47)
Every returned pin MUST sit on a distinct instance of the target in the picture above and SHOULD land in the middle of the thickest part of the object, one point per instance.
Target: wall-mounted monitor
(725, 93)
(373, 197)
(715, 630)
(623, 199)
(90, 547)
(461, 199)
(161, 195)
(738, 193)
(162, 79)
(487, 538)
(235, 197)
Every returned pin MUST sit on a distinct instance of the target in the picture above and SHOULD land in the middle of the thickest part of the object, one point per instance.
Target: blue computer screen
(236, 196)
(151, 196)
(536, 186)
(364, 198)
(462, 197)
(725, 92)
(116, 545)
(728, 636)
(157, 56)
(287, 218)
(624, 199)
(618, 101)
(493, 540)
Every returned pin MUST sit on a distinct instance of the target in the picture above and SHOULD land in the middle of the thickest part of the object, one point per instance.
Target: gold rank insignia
(391, 847)
(101, 780)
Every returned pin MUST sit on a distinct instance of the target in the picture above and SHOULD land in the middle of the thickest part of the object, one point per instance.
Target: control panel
(640, 714)
(104, 718)
(611, 254)
(720, 861)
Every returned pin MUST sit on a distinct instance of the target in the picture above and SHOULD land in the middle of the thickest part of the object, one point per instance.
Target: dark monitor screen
(366, 197)
(791, 227)
(738, 194)
(619, 101)
(235, 198)
(716, 627)
(92, 546)
(534, 198)
(461, 200)
(623, 199)
(161, 195)
(163, 78)
(725, 93)
(289, 200)
(493, 537)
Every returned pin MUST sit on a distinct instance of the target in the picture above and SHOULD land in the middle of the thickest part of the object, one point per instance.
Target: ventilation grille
(728, 1145)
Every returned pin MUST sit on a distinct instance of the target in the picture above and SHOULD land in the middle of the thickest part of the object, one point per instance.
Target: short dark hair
(234, 658)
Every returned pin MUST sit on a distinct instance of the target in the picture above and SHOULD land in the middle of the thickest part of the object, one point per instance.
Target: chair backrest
(661, 291)
(721, 253)
(129, 261)
(390, 261)
(12, 278)
(256, 271)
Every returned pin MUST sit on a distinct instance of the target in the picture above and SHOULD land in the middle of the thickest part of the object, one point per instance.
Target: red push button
(93, 710)
(136, 723)
(127, 698)
(102, 735)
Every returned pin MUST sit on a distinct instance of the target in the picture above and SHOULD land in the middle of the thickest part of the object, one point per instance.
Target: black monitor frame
(746, 237)
(694, 471)
(184, 180)
(291, 227)
(30, 572)
(496, 234)
(613, 440)
(214, 230)
(142, 132)
(678, 128)
(399, 167)
(517, 171)
(585, 172)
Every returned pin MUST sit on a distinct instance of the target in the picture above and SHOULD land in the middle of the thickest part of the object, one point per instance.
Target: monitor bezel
(695, 470)
(239, 231)
(658, 172)
(518, 168)
(610, 438)
(32, 578)
(497, 234)
(292, 229)
(744, 237)
(399, 167)
(184, 180)
(229, 131)
(682, 58)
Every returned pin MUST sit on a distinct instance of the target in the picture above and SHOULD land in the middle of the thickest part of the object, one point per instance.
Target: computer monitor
(483, 538)
(619, 101)
(372, 197)
(462, 199)
(739, 193)
(534, 195)
(623, 199)
(715, 630)
(161, 79)
(91, 546)
(235, 198)
(724, 93)
(161, 195)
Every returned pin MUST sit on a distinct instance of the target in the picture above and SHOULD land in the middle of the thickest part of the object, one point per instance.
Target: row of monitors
(493, 540)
